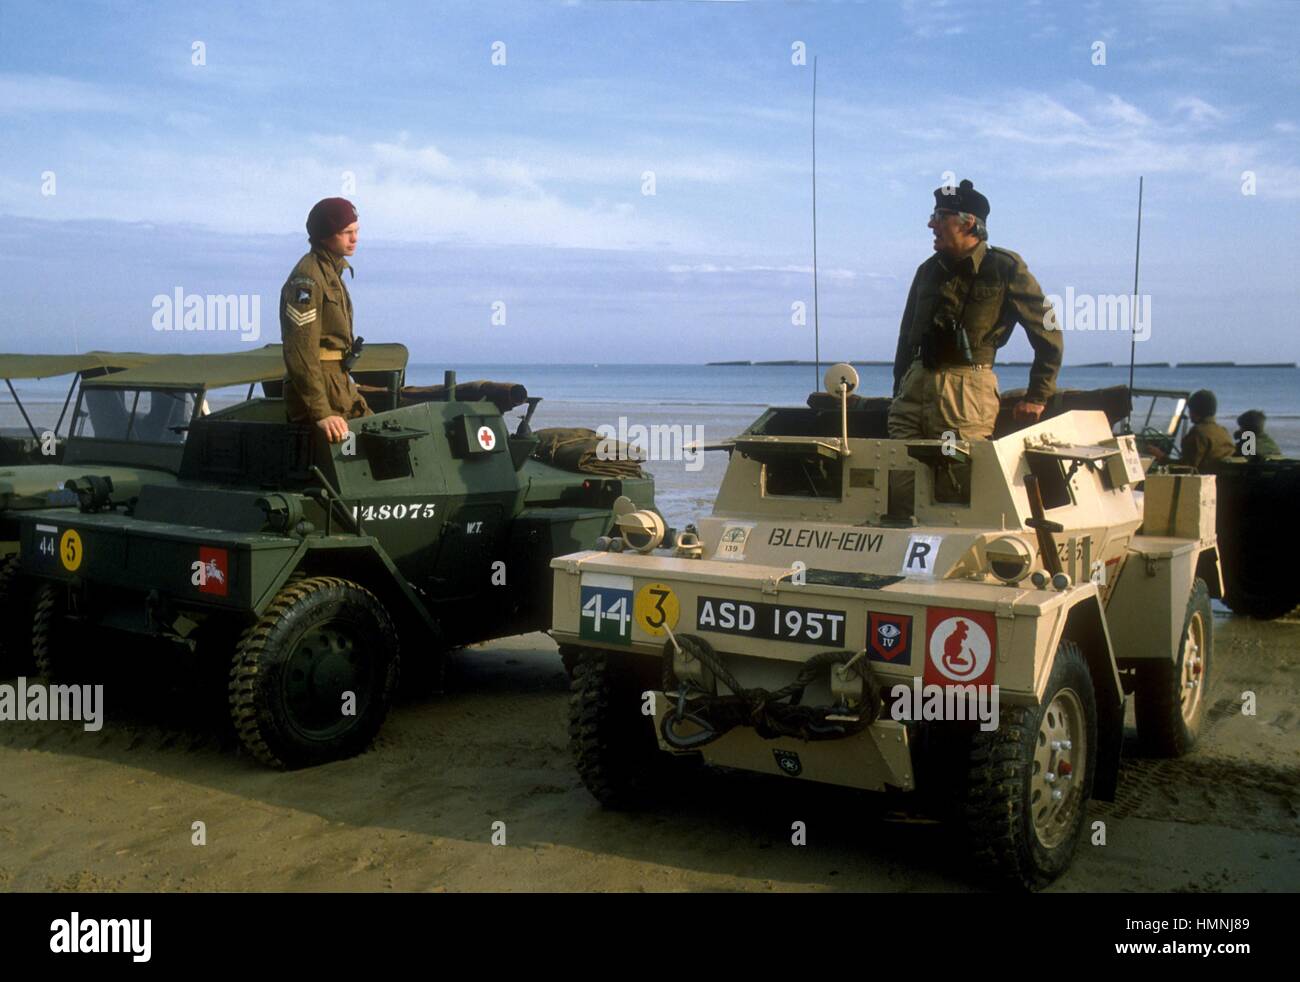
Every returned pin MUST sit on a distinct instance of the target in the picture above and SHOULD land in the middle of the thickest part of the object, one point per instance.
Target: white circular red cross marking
(960, 649)
(486, 438)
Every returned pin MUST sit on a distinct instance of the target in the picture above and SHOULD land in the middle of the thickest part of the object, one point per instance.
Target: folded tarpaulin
(586, 452)
(504, 395)
(857, 403)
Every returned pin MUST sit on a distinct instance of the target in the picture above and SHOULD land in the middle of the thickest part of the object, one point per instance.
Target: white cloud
(714, 268)
(1198, 110)
(403, 191)
(29, 94)
(1123, 112)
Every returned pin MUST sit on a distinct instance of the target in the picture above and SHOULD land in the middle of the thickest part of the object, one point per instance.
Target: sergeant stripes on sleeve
(300, 317)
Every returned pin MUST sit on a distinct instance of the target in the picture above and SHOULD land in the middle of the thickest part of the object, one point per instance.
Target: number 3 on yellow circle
(656, 605)
(70, 550)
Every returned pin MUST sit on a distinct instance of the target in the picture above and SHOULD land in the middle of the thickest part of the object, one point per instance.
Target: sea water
(718, 401)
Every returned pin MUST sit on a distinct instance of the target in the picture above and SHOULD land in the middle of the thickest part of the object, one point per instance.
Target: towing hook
(707, 733)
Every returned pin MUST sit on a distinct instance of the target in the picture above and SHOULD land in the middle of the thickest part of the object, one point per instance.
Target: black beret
(1252, 419)
(1203, 403)
(963, 197)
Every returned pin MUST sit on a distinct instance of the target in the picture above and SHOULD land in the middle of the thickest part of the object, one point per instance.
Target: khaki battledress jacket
(1205, 443)
(316, 331)
(940, 385)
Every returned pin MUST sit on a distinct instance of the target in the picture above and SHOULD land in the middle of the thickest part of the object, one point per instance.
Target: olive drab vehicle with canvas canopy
(976, 652)
(301, 568)
(35, 442)
(1251, 491)
(126, 430)
(128, 424)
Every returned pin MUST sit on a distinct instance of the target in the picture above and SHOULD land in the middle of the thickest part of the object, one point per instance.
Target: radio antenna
(817, 335)
(1133, 308)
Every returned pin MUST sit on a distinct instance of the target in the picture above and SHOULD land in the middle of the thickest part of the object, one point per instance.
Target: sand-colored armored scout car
(977, 652)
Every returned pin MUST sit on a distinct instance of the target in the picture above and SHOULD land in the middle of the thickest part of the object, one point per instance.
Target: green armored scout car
(303, 566)
(976, 653)
(127, 430)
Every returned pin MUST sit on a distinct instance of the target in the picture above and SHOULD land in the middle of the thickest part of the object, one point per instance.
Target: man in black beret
(1250, 427)
(965, 301)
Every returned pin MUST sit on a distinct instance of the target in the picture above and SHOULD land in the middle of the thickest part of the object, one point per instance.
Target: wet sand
(113, 810)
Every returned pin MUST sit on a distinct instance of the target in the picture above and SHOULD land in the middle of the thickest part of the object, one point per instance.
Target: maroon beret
(328, 217)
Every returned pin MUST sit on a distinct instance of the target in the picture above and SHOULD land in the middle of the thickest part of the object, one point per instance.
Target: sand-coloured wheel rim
(1192, 673)
(1060, 762)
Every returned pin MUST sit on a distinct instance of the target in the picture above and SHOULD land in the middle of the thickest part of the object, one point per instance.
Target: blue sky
(522, 183)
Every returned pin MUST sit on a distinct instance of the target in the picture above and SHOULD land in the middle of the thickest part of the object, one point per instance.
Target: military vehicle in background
(301, 567)
(127, 430)
(1254, 496)
(977, 654)
(37, 442)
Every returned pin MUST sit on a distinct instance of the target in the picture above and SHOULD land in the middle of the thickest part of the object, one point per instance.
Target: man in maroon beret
(316, 324)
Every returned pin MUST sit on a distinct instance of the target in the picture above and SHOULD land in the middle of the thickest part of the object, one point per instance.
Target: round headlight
(1009, 559)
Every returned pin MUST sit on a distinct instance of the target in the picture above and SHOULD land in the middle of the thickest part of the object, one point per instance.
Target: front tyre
(1029, 781)
(314, 678)
(613, 742)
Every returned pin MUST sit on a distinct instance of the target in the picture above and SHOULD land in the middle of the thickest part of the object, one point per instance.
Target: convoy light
(642, 531)
(1009, 559)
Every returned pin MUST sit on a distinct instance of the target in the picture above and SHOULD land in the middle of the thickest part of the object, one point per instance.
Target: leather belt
(956, 364)
(330, 354)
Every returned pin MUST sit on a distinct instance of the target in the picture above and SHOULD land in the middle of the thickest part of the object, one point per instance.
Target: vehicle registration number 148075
(775, 622)
(398, 511)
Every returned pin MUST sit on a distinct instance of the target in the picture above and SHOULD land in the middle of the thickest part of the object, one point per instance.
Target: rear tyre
(59, 642)
(1029, 781)
(321, 639)
(613, 743)
(16, 621)
(1172, 695)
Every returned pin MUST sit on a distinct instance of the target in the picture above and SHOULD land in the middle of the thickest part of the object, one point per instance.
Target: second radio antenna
(1134, 306)
(817, 336)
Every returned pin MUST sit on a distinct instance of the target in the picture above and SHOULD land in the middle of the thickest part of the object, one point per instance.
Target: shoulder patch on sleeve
(299, 290)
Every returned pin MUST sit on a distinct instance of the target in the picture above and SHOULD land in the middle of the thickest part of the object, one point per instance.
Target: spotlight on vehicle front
(1009, 559)
(642, 531)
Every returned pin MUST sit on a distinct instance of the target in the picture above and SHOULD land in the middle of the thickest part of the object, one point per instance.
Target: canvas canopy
(214, 371)
(13, 366)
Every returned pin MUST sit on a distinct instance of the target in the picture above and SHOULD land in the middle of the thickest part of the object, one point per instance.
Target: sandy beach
(114, 810)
